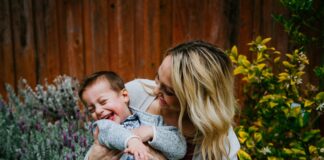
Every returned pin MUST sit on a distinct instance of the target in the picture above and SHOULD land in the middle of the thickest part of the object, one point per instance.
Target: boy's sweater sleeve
(169, 141)
(112, 135)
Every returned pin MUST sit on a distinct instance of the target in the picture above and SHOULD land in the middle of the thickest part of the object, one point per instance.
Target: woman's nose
(156, 90)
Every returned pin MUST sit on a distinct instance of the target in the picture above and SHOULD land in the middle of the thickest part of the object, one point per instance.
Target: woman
(197, 78)
(194, 88)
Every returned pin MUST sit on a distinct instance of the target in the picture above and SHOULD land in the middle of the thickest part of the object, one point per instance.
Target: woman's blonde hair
(203, 82)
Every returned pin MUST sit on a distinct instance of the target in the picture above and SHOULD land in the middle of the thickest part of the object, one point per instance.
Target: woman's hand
(144, 132)
(100, 152)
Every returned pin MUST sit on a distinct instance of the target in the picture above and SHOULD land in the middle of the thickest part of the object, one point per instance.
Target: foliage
(280, 111)
(304, 22)
(43, 124)
(305, 27)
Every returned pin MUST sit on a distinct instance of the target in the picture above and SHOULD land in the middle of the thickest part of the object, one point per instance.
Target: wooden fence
(44, 38)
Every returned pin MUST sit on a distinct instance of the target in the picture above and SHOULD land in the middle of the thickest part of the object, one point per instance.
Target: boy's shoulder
(147, 118)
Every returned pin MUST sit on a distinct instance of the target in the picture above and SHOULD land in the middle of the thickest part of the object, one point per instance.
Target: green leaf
(250, 143)
(276, 60)
(257, 136)
(242, 136)
(266, 40)
(234, 51)
(258, 39)
(320, 96)
(243, 155)
(308, 103)
(288, 65)
(239, 70)
(261, 66)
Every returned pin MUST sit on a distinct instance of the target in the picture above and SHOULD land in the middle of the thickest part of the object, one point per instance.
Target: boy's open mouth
(109, 116)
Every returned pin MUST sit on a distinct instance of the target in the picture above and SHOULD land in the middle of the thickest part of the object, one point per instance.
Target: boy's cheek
(94, 116)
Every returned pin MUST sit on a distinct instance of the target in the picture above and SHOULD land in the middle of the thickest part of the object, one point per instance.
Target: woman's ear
(124, 94)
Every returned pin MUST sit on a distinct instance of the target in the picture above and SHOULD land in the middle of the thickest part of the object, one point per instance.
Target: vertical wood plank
(246, 25)
(213, 21)
(23, 37)
(96, 35)
(166, 24)
(7, 69)
(71, 37)
(279, 36)
(180, 19)
(153, 39)
(257, 17)
(267, 22)
(147, 36)
(217, 27)
(46, 40)
(139, 36)
(87, 38)
(125, 40)
(113, 34)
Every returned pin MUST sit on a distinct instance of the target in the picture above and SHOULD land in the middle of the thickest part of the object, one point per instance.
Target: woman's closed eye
(162, 87)
(166, 91)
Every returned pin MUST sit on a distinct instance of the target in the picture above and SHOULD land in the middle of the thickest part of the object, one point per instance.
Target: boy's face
(105, 103)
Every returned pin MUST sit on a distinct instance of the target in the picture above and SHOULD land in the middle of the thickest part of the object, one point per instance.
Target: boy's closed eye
(91, 108)
(103, 102)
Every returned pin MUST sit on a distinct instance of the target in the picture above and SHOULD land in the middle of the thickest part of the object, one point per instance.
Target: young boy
(105, 97)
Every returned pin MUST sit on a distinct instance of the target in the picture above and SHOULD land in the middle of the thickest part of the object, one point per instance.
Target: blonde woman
(196, 78)
(194, 91)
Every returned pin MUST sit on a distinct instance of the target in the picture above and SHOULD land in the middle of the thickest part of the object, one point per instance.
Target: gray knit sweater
(167, 139)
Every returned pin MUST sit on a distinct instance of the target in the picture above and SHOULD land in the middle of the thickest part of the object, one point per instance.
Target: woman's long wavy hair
(203, 82)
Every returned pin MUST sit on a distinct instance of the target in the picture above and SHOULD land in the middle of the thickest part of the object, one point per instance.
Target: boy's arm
(115, 136)
(166, 139)
(112, 135)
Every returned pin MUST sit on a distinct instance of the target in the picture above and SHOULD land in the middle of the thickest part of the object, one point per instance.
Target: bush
(43, 124)
(280, 111)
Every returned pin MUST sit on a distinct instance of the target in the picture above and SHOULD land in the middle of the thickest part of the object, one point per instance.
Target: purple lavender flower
(65, 139)
(1, 105)
(75, 137)
(83, 141)
(22, 126)
(72, 146)
(68, 156)
(38, 127)
(74, 157)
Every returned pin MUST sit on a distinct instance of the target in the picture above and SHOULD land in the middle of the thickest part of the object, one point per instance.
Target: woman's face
(164, 89)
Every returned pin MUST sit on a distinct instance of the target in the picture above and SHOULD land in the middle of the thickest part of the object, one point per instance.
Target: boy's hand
(137, 148)
(144, 132)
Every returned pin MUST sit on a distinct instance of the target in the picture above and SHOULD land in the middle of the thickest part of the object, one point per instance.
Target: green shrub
(280, 111)
(43, 124)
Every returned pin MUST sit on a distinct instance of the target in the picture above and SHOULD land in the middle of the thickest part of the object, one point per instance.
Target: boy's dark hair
(116, 82)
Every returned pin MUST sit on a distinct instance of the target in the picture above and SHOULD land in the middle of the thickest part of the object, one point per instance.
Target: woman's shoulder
(234, 143)
(139, 81)
(140, 92)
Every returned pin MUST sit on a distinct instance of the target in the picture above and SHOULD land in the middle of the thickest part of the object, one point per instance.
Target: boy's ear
(124, 93)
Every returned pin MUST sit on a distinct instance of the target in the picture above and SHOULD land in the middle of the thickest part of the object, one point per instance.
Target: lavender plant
(44, 123)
